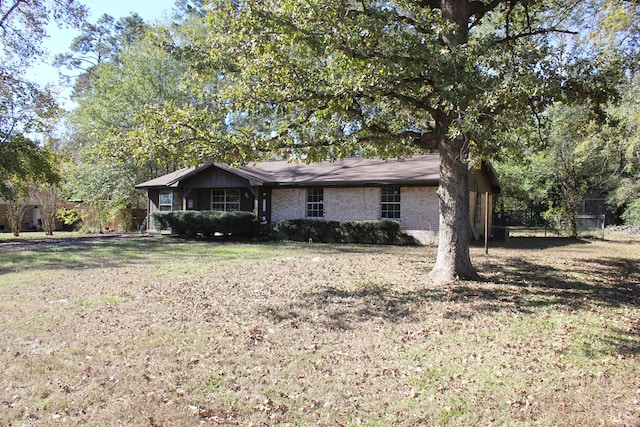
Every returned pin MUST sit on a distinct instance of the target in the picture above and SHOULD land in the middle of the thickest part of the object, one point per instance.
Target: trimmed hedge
(207, 223)
(372, 232)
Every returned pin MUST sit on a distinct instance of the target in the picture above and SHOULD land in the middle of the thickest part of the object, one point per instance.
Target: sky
(59, 40)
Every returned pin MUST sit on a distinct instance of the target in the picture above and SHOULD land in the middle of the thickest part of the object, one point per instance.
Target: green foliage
(613, 30)
(207, 223)
(68, 216)
(105, 189)
(126, 72)
(371, 232)
(631, 214)
(22, 163)
(134, 77)
(580, 154)
(330, 79)
(93, 182)
(317, 80)
(626, 159)
(24, 25)
(101, 42)
(585, 149)
(26, 108)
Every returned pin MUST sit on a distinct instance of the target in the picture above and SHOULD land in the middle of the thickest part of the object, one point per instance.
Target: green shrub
(631, 214)
(371, 232)
(207, 223)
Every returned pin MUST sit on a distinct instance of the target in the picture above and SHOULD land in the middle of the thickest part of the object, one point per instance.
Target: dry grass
(151, 331)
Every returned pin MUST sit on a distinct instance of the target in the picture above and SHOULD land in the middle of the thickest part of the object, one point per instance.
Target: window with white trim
(225, 200)
(390, 201)
(315, 202)
(165, 202)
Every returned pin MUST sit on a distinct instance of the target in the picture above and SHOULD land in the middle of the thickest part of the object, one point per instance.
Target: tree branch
(534, 33)
(5, 17)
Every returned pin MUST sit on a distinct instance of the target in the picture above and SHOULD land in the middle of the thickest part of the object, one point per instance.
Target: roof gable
(169, 180)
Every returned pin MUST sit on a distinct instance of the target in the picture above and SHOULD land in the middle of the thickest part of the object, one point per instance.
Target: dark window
(225, 200)
(315, 203)
(391, 203)
(166, 201)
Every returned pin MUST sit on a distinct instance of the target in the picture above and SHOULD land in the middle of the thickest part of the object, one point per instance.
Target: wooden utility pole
(486, 223)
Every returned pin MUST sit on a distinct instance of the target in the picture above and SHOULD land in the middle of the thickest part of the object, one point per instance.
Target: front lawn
(159, 331)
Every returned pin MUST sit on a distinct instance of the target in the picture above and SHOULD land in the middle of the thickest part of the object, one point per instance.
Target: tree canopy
(589, 137)
(136, 75)
(123, 68)
(25, 107)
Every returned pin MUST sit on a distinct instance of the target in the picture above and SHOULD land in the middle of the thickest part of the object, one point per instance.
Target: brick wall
(420, 213)
(287, 203)
(419, 207)
(352, 204)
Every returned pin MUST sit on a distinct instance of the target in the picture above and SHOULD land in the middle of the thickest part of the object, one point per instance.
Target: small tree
(15, 190)
(15, 214)
(50, 201)
(104, 188)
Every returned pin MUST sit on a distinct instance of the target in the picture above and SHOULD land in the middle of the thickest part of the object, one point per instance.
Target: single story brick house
(351, 189)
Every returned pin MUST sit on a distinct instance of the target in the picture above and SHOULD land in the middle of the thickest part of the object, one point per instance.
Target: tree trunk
(453, 261)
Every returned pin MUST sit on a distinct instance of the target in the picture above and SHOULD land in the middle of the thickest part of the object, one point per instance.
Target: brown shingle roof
(423, 170)
(351, 171)
(168, 180)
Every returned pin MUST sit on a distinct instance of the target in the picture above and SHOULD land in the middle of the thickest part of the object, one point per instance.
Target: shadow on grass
(533, 243)
(510, 285)
(120, 251)
(76, 253)
(608, 281)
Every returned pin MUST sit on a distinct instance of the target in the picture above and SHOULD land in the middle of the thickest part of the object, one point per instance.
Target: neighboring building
(352, 189)
(32, 219)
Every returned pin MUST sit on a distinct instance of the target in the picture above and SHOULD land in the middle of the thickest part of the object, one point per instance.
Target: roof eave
(404, 182)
